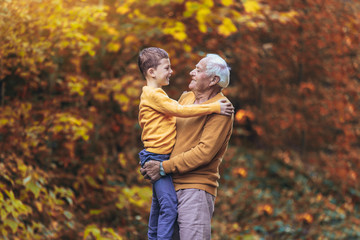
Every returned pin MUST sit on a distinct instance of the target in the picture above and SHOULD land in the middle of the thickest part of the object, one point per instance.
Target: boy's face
(163, 72)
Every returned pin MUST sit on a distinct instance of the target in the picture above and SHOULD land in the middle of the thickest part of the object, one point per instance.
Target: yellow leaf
(226, 2)
(113, 234)
(91, 53)
(251, 24)
(64, 44)
(22, 53)
(89, 125)
(122, 160)
(181, 36)
(208, 3)
(83, 133)
(76, 88)
(203, 14)
(3, 121)
(72, 120)
(12, 224)
(121, 98)
(95, 211)
(34, 188)
(133, 92)
(288, 16)
(154, 2)
(123, 9)
(227, 27)
(252, 6)
(202, 27)
(191, 7)
(291, 14)
(39, 206)
(101, 97)
(92, 229)
(122, 202)
(91, 181)
(112, 31)
(130, 39)
(187, 48)
(26, 107)
(177, 30)
(58, 128)
(113, 47)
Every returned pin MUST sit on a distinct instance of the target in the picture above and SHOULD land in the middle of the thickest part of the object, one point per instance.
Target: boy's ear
(214, 80)
(150, 72)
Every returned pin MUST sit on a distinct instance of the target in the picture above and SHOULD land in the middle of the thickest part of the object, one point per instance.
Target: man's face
(199, 78)
(163, 72)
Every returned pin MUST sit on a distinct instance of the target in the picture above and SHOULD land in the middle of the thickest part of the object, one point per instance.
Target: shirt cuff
(162, 172)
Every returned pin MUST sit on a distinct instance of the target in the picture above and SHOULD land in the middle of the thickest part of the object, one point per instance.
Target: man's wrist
(162, 172)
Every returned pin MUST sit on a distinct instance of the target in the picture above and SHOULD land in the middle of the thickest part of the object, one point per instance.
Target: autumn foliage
(69, 94)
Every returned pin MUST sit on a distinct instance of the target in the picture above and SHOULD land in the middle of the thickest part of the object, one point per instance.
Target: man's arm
(216, 133)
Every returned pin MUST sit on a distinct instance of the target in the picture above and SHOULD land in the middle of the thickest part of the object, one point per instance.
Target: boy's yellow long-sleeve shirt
(157, 114)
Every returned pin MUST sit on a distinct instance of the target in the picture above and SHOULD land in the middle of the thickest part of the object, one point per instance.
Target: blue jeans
(163, 211)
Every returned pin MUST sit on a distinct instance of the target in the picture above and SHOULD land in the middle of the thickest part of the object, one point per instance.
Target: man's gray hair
(216, 66)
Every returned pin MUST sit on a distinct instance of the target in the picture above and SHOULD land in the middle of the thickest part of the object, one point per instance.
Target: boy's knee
(168, 205)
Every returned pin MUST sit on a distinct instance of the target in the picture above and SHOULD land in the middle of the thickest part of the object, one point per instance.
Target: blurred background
(69, 95)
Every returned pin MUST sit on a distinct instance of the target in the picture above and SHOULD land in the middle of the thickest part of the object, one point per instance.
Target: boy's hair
(216, 66)
(150, 58)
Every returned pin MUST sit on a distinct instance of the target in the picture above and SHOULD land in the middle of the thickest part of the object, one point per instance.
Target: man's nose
(192, 72)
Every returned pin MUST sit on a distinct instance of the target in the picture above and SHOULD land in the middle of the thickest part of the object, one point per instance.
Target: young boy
(157, 114)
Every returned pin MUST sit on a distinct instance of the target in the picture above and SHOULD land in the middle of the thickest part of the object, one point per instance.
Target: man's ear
(150, 72)
(214, 80)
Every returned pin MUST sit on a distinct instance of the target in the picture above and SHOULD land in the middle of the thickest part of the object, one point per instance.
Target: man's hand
(151, 170)
(143, 172)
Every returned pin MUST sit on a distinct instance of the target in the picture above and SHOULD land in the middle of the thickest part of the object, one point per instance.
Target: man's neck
(204, 96)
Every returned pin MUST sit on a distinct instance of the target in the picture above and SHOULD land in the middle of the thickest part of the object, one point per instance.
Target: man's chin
(191, 85)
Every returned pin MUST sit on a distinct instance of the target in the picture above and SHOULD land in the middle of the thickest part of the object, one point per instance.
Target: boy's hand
(226, 108)
(151, 170)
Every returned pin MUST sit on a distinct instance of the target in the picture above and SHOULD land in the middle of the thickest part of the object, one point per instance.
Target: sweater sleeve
(162, 103)
(215, 134)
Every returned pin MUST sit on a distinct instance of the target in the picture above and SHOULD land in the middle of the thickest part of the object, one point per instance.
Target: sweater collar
(217, 97)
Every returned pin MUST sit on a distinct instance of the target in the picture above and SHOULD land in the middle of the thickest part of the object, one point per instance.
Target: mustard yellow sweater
(157, 114)
(200, 145)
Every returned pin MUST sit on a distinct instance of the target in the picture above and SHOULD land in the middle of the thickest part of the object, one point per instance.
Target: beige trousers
(195, 210)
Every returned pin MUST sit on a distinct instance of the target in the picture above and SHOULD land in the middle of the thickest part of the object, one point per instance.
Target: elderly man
(200, 146)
